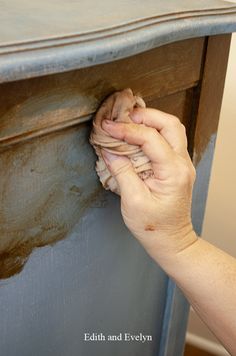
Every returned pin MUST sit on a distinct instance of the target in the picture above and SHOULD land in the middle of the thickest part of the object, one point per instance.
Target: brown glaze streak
(45, 187)
(13, 259)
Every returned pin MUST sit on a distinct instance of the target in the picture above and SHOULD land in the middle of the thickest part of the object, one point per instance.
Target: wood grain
(179, 104)
(41, 105)
(212, 88)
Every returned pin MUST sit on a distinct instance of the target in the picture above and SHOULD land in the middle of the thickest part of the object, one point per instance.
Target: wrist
(167, 249)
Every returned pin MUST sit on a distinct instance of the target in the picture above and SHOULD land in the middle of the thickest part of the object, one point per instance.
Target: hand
(158, 210)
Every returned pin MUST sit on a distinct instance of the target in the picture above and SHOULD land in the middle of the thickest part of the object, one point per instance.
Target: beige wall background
(220, 218)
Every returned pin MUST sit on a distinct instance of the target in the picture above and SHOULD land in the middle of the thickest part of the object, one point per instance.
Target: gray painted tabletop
(38, 38)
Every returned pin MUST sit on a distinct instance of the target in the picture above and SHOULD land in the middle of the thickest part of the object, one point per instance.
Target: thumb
(122, 170)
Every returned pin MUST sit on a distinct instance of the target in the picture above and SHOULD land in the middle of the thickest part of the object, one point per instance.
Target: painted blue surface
(97, 280)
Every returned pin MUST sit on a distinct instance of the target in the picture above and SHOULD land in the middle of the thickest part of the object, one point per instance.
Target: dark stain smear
(76, 190)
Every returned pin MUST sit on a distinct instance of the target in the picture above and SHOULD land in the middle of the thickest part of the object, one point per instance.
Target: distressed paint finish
(210, 100)
(45, 186)
(207, 119)
(41, 105)
(89, 273)
(42, 141)
(99, 279)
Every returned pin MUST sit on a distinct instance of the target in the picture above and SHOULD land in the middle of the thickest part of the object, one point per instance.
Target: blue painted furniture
(68, 265)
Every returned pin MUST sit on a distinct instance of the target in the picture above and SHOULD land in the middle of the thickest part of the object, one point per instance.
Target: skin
(162, 219)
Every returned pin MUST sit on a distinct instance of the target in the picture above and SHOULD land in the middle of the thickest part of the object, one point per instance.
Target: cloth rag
(117, 107)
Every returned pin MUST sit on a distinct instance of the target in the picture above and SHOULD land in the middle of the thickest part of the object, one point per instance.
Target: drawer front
(38, 106)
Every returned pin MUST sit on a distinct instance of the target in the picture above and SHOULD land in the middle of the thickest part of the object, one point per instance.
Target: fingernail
(109, 157)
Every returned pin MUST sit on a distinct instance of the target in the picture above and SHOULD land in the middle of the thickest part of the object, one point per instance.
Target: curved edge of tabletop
(39, 58)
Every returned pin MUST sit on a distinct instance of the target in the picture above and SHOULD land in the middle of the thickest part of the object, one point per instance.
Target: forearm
(207, 276)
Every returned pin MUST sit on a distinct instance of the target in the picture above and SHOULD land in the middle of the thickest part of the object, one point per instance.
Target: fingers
(152, 143)
(168, 125)
(122, 170)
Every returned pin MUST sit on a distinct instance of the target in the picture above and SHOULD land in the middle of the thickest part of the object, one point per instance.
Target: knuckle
(174, 120)
(150, 134)
(131, 130)
(183, 127)
(186, 174)
(125, 132)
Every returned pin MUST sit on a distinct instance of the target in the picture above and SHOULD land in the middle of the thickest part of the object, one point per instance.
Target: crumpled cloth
(117, 107)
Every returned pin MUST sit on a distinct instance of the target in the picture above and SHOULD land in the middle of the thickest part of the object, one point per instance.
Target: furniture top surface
(51, 36)
(31, 20)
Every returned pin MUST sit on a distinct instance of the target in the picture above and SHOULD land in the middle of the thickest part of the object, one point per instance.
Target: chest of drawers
(68, 265)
